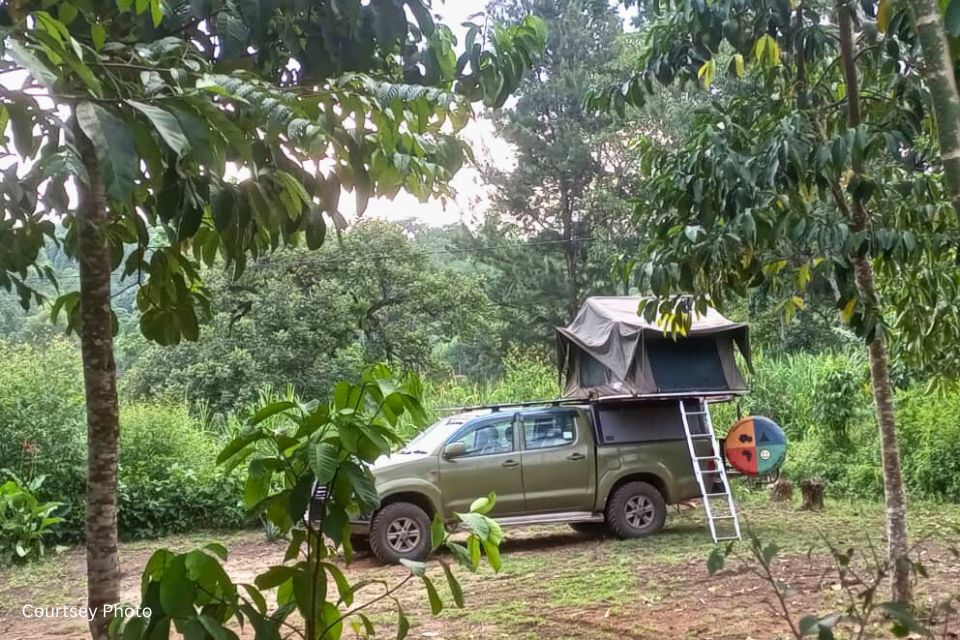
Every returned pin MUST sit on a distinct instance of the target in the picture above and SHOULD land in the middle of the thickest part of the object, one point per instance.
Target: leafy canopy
(229, 127)
(758, 193)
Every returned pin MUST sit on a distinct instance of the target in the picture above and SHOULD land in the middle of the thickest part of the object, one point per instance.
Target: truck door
(491, 462)
(557, 460)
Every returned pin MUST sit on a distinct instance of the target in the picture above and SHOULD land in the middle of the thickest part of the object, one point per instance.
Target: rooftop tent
(610, 350)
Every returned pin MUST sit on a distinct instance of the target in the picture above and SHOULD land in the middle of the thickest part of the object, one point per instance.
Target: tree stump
(812, 492)
(781, 490)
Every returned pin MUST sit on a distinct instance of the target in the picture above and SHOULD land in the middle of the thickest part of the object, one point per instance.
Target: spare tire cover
(755, 446)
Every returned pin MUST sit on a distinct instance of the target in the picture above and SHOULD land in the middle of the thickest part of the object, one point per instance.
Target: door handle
(576, 456)
(510, 463)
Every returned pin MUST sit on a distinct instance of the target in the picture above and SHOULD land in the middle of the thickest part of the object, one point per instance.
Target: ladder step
(714, 495)
(703, 471)
(696, 413)
(724, 517)
(719, 539)
(713, 457)
(694, 436)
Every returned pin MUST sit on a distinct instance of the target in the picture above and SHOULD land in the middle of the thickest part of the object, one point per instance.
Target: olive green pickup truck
(617, 464)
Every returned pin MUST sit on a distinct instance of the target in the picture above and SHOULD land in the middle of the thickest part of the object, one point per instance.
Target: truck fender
(417, 491)
(655, 473)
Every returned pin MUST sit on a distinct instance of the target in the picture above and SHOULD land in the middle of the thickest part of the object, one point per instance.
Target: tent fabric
(609, 334)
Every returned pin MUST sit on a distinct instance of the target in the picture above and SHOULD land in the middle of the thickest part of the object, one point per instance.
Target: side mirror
(454, 450)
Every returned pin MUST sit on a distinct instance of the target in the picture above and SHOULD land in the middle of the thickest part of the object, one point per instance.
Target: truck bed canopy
(610, 350)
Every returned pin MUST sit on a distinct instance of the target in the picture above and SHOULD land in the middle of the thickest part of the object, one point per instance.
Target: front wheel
(636, 510)
(400, 531)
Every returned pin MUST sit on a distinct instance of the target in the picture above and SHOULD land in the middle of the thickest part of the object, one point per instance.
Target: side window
(487, 438)
(544, 430)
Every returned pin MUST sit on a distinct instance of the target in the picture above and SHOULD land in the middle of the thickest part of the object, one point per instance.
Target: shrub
(168, 479)
(24, 521)
(930, 443)
(42, 422)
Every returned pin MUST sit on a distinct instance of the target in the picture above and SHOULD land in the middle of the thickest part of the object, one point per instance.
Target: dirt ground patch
(559, 584)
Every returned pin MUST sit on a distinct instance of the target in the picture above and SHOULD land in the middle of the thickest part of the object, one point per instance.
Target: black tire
(400, 531)
(589, 528)
(635, 510)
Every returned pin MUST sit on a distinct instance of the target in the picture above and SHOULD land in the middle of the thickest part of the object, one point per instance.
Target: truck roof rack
(707, 396)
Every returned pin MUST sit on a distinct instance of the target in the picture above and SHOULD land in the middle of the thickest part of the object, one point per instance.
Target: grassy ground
(558, 584)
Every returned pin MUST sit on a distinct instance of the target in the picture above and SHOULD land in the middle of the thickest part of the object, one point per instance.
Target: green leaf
(738, 65)
(324, 459)
(156, 12)
(473, 546)
(707, 71)
(403, 625)
(258, 600)
(216, 549)
(98, 34)
(493, 555)
(166, 125)
(436, 604)
(952, 18)
(343, 585)
(416, 567)
(37, 70)
(274, 577)
(884, 11)
(455, 589)
(114, 147)
(485, 504)
(315, 228)
(177, 592)
(438, 532)
(270, 410)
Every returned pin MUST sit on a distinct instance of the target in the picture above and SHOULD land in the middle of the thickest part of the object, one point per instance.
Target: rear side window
(548, 429)
(648, 422)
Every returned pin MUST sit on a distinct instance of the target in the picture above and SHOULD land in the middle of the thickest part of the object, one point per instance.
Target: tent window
(592, 372)
(687, 364)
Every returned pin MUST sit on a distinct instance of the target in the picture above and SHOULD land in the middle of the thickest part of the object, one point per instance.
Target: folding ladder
(714, 485)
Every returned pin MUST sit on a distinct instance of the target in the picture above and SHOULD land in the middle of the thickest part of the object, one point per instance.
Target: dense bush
(42, 422)
(825, 404)
(168, 479)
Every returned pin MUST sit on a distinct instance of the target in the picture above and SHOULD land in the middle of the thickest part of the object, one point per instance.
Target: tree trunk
(938, 72)
(571, 250)
(896, 503)
(100, 381)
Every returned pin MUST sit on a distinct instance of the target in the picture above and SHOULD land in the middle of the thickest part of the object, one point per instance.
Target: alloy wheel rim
(639, 511)
(403, 534)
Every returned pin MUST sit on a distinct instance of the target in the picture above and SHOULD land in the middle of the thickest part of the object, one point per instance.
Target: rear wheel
(400, 531)
(636, 510)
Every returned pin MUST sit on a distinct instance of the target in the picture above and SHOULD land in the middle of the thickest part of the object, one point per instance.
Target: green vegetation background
(323, 315)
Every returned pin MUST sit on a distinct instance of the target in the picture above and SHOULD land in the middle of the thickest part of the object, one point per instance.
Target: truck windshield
(428, 440)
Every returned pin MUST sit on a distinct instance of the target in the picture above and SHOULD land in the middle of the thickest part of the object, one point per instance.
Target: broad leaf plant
(291, 448)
